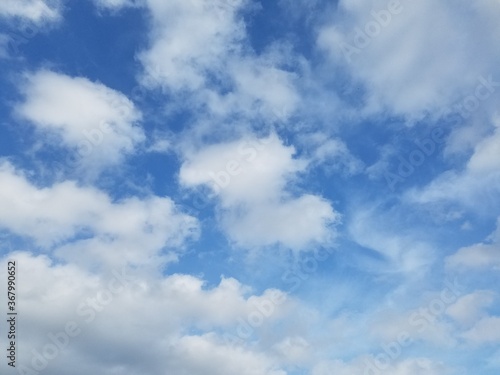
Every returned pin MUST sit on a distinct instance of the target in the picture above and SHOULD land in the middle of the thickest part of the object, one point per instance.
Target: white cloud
(201, 56)
(36, 11)
(295, 223)
(259, 82)
(190, 38)
(414, 326)
(160, 313)
(485, 157)
(487, 330)
(331, 153)
(200, 48)
(247, 169)
(201, 355)
(405, 66)
(378, 230)
(100, 230)
(476, 256)
(114, 4)
(366, 365)
(97, 123)
(475, 192)
(294, 349)
(469, 308)
(160, 142)
(475, 185)
(480, 255)
(250, 177)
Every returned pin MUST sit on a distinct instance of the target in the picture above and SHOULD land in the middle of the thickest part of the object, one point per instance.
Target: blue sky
(233, 186)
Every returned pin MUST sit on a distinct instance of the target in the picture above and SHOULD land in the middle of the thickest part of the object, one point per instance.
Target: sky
(219, 187)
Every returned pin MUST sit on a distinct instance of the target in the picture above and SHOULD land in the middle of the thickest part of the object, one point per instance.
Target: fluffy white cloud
(247, 169)
(36, 11)
(294, 349)
(94, 121)
(250, 176)
(161, 314)
(203, 355)
(406, 67)
(201, 48)
(99, 229)
(189, 39)
(260, 84)
(295, 223)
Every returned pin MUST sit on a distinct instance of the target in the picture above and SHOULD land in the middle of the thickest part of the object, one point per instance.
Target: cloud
(250, 176)
(480, 255)
(487, 330)
(200, 49)
(190, 38)
(391, 48)
(260, 83)
(474, 192)
(413, 366)
(86, 225)
(377, 230)
(294, 349)
(476, 256)
(475, 184)
(36, 11)
(485, 156)
(114, 5)
(217, 77)
(246, 169)
(96, 123)
(294, 223)
(330, 153)
(469, 308)
(161, 314)
(201, 355)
